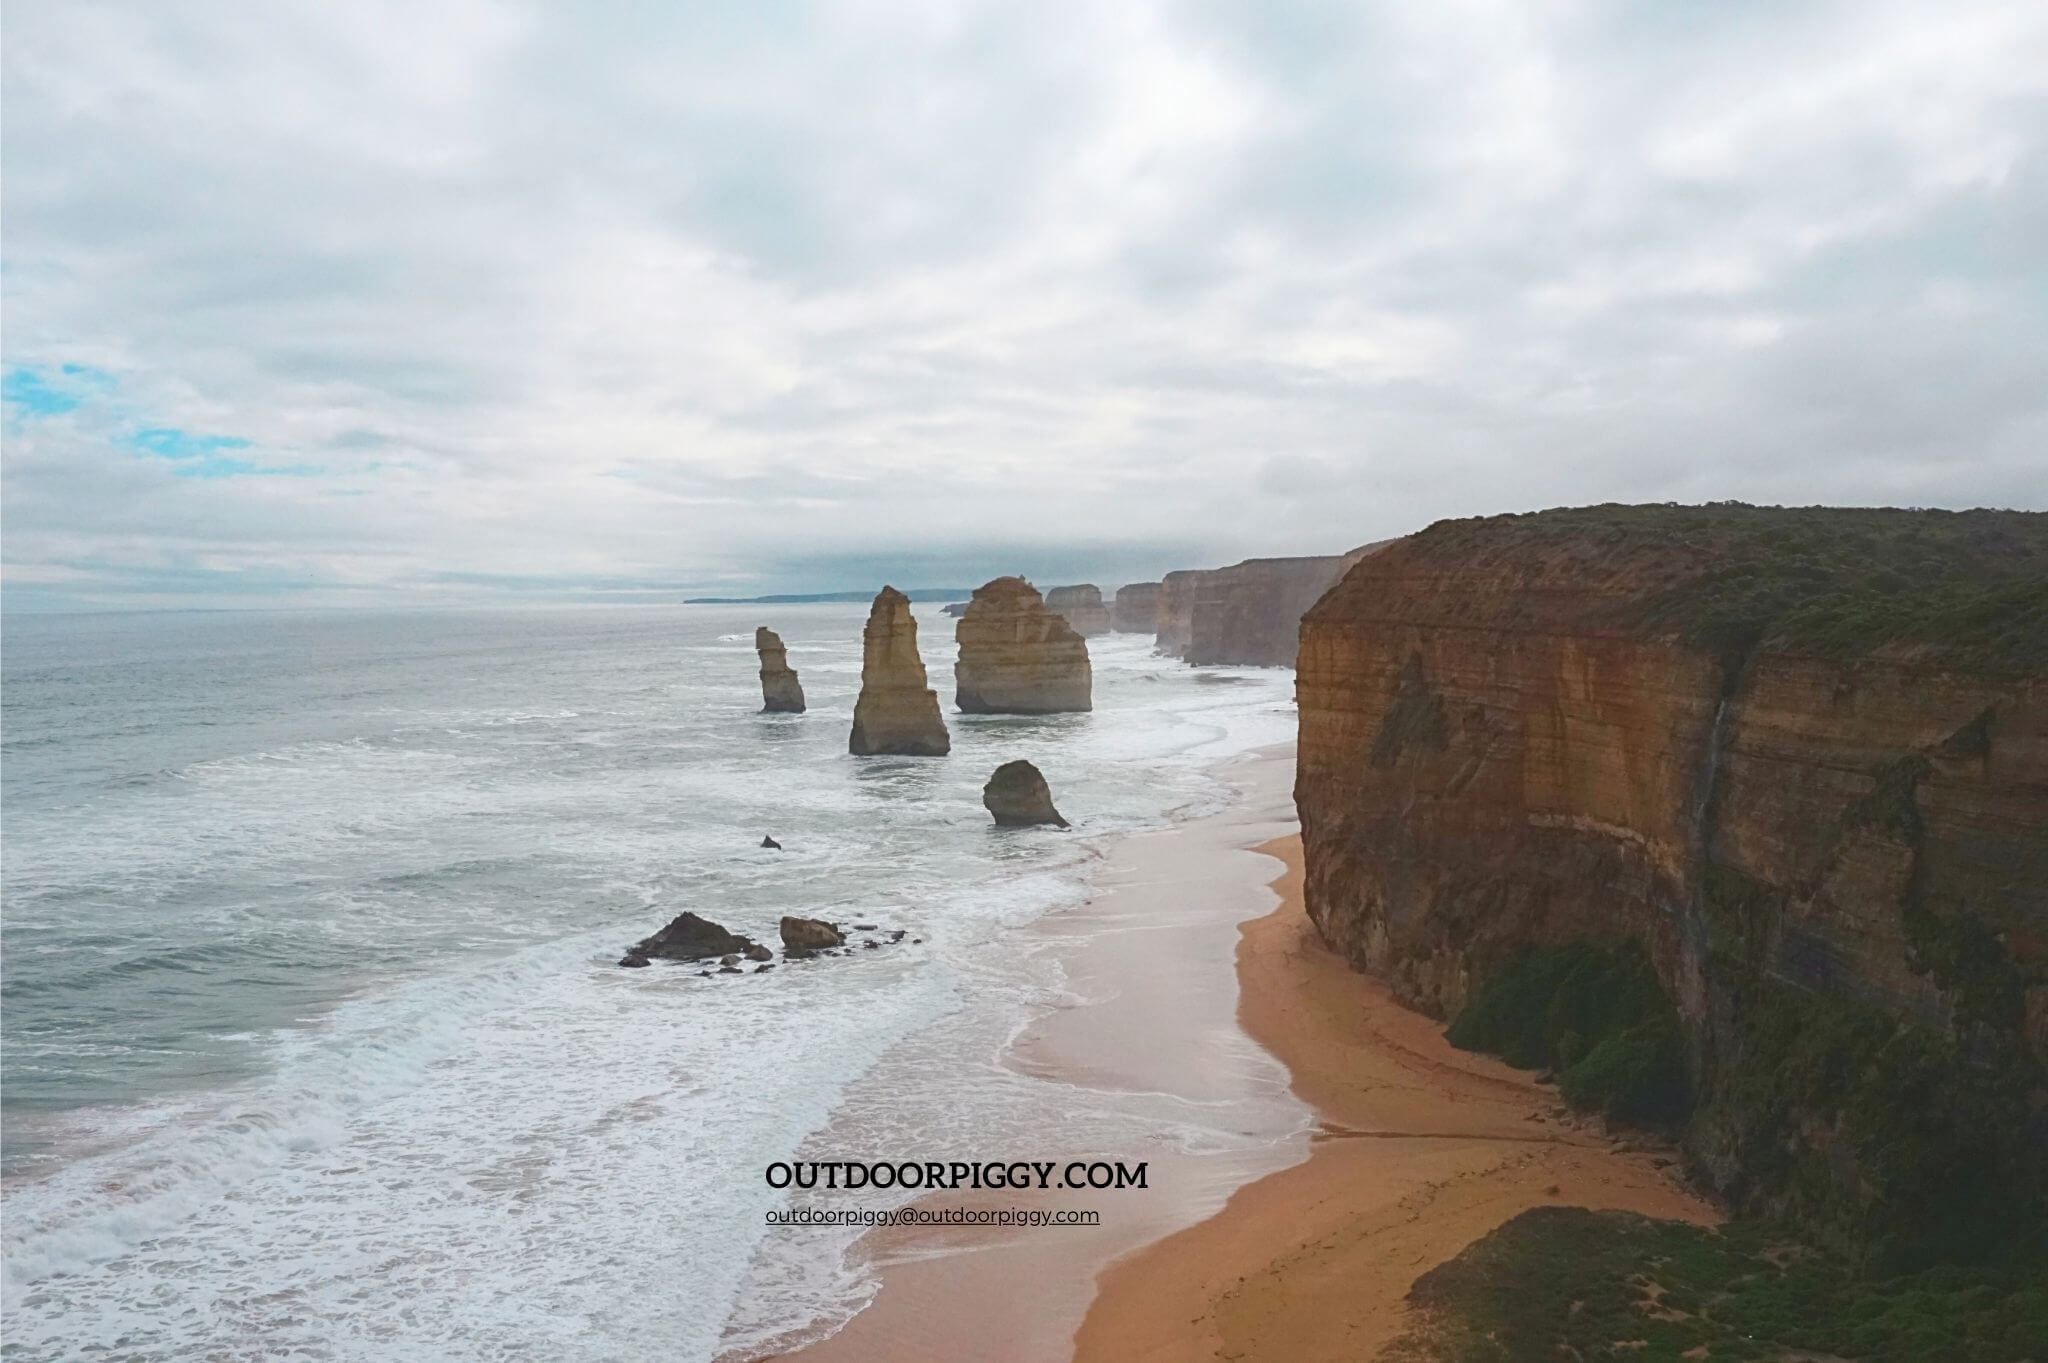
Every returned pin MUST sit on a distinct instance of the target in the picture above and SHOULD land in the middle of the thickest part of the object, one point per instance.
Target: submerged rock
(690, 938)
(633, 960)
(897, 711)
(1017, 657)
(1018, 797)
(756, 952)
(770, 842)
(1080, 606)
(802, 936)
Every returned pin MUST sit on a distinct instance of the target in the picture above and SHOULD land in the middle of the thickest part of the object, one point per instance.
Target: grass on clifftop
(1969, 586)
(1568, 1283)
(1597, 1017)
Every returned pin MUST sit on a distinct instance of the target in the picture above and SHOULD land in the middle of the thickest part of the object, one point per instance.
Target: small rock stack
(781, 692)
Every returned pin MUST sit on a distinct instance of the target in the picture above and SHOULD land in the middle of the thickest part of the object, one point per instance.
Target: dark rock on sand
(1018, 797)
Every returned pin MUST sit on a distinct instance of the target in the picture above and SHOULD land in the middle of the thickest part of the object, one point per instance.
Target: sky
(474, 302)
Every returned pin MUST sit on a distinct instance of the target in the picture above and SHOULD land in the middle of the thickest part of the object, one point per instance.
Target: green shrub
(1597, 1017)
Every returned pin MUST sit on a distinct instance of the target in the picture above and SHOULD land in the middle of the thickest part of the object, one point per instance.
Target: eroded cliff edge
(1248, 614)
(1799, 757)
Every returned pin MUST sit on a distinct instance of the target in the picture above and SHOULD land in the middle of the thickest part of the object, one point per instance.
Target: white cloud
(625, 298)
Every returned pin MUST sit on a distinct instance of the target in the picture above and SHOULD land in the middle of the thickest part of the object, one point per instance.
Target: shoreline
(1420, 1150)
(1149, 1019)
(1372, 1150)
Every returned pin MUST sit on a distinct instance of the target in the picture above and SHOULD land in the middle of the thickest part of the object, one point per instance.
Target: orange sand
(1424, 1149)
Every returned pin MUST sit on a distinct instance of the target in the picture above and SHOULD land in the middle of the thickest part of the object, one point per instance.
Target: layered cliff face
(1080, 606)
(1799, 757)
(1174, 621)
(1018, 657)
(1135, 609)
(897, 711)
(780, 689)
(1247, 614)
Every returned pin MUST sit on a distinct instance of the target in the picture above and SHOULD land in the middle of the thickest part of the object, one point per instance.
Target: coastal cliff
(1017, 656)
(1247, 614)
(897, 712)
(1135, 608)
(781, 691)
(1798, 759)
(1080, 606)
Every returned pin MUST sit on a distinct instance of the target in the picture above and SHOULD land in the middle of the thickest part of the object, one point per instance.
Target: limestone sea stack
(897, 711)
(1081, 607)
(1017, 657)
(1136, 608)
(781, 692)
(1018, 797)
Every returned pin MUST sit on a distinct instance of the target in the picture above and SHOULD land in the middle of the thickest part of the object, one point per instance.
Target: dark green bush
(1565, 1282)
(1597, 1017)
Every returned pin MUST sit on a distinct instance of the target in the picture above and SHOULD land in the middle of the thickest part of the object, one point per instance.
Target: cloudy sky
(462, 301)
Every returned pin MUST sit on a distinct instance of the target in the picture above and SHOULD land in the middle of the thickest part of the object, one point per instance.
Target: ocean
(315, 1046)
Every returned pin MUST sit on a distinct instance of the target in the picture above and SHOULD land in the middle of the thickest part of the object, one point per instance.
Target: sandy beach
(1386, 1150)
(1421, 1149)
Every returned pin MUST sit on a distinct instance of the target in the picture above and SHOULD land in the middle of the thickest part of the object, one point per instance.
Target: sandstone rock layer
(1018, 797)
(1248, 614)
(1080, 606)
(1017, 657)
(781, 692)
(1795, 755)
(1135, 609)
(802, 936)
(897, 711)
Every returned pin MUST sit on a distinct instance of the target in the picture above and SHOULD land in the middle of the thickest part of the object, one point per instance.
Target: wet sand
(1422, 1150)
(1151, 955)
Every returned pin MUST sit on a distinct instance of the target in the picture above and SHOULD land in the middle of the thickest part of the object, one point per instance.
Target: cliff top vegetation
(1963, 587)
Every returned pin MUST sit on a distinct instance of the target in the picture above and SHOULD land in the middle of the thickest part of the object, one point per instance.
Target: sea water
(315, 1042)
